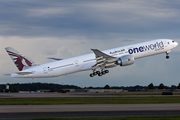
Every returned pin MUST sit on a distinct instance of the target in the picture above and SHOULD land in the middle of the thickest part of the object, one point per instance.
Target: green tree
(178, 87)
(173, 87)
(161, 86)
(151, 86)
(52, 90)
(15, 89)
(107, 87)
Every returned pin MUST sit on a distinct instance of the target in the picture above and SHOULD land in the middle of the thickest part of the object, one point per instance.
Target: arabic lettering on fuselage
(156, 46)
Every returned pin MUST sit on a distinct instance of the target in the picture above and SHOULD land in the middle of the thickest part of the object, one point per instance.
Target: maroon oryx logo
(19, 60)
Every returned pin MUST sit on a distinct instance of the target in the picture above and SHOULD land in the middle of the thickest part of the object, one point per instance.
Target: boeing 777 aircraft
(102, 60)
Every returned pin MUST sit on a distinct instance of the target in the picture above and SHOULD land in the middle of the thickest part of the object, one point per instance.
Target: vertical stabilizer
(21, 61)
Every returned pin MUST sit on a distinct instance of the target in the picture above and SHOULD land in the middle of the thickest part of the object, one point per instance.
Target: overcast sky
(42, 28)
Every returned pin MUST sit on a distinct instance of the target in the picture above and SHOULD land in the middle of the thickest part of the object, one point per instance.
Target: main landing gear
(103, 72)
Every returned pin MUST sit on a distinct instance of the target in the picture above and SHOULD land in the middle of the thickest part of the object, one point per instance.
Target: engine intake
(125, 60)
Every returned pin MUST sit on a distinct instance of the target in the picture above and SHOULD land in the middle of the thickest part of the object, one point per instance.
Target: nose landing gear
(167, 55)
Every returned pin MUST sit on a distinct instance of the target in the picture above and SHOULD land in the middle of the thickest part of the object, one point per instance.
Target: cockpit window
(172, 41)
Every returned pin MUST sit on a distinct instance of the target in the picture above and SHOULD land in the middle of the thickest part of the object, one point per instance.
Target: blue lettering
(130, 51)
(135, 49)
(151, 46)
(161, 44)
(141, 49)
(155, 46)
(147, 47)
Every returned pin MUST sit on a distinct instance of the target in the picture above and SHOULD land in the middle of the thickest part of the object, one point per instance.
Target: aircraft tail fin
(21, 61)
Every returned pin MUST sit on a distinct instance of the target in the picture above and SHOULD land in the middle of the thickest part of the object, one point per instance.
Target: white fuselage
(85, 62)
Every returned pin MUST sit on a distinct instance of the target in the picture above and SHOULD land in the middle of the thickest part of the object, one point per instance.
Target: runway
(87, 110)
(12, 116)
(83, 94)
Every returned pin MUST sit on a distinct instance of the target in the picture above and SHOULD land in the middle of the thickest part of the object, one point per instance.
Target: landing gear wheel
(167, 57)
(106, 71)
(91, 75)
(94, 73)
(100, 74)
(103, 72)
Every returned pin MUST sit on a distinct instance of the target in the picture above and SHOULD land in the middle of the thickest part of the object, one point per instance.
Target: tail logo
(19, 60)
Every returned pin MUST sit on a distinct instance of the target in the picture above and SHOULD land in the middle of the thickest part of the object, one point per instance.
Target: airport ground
(86, 94)
(88, 110)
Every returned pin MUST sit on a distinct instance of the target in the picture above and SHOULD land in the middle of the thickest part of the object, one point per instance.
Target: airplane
(121, 56)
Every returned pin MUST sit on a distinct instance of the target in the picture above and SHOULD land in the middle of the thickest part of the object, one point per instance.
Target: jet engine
(125, 60)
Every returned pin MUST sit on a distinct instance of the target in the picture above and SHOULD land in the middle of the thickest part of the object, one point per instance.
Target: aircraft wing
(102, 59)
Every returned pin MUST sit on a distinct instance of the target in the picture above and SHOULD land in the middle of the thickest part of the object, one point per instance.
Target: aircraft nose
(176, 44)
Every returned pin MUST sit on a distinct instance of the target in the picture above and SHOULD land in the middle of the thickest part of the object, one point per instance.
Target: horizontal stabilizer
(7, 74)
(55, 58)
(24, 73)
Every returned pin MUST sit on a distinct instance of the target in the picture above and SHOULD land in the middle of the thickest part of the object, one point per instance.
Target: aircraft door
(45, 70)
(76, 63)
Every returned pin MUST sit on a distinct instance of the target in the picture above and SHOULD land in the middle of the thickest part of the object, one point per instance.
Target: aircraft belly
(88, 66)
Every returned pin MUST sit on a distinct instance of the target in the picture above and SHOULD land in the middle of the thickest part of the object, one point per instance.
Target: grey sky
(41, 28)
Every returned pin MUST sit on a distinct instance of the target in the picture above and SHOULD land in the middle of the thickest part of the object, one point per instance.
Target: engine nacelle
(125, 60)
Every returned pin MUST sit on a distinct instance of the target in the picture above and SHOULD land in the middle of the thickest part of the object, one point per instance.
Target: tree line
(57, 87)
(138, 87)
(36, 86)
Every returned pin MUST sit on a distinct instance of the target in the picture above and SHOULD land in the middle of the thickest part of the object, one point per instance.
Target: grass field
(117, 100)
(118, 118)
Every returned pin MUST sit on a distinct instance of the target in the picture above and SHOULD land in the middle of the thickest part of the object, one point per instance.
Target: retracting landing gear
(103, 72)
